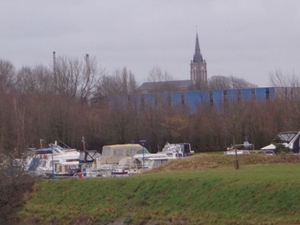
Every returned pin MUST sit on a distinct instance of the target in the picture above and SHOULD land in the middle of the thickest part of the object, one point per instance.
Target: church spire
(197, 55)
(198, 70)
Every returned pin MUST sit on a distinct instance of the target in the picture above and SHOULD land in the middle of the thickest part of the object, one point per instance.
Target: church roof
(165, 85)
(197, 55)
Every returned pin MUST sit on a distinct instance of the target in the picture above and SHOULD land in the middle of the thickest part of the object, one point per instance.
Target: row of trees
(69, 99)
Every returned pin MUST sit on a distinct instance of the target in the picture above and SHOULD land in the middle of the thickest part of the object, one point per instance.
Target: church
(198, 77)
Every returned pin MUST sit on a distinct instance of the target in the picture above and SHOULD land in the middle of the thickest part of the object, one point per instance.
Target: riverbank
(264, 190)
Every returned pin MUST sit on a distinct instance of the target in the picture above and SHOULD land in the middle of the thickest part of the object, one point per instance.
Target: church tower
(198, 68)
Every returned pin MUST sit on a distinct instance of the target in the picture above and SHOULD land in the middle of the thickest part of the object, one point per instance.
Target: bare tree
(37, 79)
(75, 78)
(121, 116)
(287, 96)
(156, 75)
(132, 83)
(90, 78)
(122, 82)
(219, 83)
(14, 183)
(237, 83)
(287, 86)
(159, 81)
(278, 79)
(7, 75)
(231, 82)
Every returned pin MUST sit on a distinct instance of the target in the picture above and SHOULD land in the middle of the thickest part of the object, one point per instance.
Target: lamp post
(143, 143)
(51, 146)
(236, 164)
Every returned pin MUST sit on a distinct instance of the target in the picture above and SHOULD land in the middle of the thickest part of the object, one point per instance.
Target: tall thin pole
(51, 145)
(236, 156)
(87, 61)
(143, 157)
(143, 143)
(54, 71)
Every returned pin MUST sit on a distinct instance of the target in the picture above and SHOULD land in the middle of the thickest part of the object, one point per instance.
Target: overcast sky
(244, 38)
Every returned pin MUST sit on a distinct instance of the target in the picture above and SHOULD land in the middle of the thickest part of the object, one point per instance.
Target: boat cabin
(177, 150)
(112, 154)
(66, 168)
(151, 163)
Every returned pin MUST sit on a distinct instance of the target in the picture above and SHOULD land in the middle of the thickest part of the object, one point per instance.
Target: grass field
(206, 189)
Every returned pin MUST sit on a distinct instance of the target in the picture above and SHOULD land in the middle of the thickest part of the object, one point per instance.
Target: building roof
(165, 86)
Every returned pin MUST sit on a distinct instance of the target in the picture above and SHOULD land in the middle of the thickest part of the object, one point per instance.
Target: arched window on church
(195, 74)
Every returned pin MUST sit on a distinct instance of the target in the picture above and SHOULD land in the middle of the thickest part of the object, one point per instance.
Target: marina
(116, 160)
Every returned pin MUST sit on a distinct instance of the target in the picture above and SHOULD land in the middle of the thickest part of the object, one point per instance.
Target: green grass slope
(200, 190)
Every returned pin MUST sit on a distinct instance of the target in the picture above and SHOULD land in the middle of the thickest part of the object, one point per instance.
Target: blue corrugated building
(193, 99)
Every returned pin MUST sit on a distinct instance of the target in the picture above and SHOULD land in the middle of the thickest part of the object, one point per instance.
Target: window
(141, 151)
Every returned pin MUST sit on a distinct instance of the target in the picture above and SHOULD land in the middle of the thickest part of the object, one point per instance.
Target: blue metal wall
(176, 98)
(218, 98)
(193, 99)
(149, 100)
(232, 94)
(246, 94)
(261, 93)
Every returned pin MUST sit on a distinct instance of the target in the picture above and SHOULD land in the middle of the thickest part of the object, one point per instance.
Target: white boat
(287, 139)
(59, 161)
(46, 161)
(91, 166)
(127, 166)
(238, 152)
(138, 164)
(66, 168)
(112, 155)
(152, 163)
(240, 149)
(177, 150)
(144, 157)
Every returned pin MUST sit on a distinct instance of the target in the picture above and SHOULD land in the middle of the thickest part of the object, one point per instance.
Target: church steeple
(198, 68)
(197, 55)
